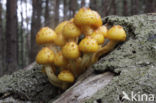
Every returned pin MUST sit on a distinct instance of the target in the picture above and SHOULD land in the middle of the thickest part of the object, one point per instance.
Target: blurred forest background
(21, 19)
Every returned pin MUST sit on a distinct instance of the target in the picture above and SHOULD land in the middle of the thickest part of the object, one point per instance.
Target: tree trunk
(20, 39)
(65, 9)
(114, 7)
(82, 3)
(35, 26)
(93, 4)
(56, 16)
(73, 7)
(125, 8)
(129, 67)
(46, 14)
(11, 36)
(1, 38)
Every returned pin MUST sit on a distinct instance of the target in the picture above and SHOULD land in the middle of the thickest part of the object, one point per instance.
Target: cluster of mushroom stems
(74, 45)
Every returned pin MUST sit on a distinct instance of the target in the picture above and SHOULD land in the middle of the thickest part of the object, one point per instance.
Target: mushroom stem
(53, 78)
(85, 62)
(72, 67)
(108, 47)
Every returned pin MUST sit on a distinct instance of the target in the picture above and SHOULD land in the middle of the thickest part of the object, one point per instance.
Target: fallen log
(130, 67)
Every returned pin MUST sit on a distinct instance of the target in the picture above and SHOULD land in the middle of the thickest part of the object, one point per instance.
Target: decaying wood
(85, 88)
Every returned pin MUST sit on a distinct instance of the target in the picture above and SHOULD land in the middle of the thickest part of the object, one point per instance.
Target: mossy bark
(132, 65)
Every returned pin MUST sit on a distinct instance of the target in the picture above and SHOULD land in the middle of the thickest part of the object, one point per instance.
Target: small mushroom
(66, 76)
(46, 37)
(99, 37)
(71, 31)
(102, 30)
(115, 34)
(87, 20)
(46, 57)
(86, 16)
(71, 52)
(88, 46)
(60, 39)
(60, 60)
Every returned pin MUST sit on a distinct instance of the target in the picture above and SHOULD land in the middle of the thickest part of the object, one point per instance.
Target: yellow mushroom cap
(66, 76)
(98, 37)
(71, 50)
(103, 30)
(116, 33)
(86, 16)
(59, 59)
(60, 27)
(87, 30)
(45, 56)
(88, 45)
(45, 35)
(60, 40)
(70, 30)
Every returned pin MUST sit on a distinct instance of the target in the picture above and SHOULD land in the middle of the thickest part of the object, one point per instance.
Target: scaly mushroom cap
(86, 16)
(66, 76)
(87, 30)
(59, 59)
(103, 30)
(45, 56)
(60, 27)
(60, 40)
(116, 33)
(70, 30)
(88, 45)
(98, 37)
(45, 35)
(71, 50)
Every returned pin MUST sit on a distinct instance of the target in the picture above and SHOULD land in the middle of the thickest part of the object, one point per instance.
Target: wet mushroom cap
(86, 16)
(88, 45)
(45, 56)
(45, 35)
(116, 33)
(71, 50)
(66, 76)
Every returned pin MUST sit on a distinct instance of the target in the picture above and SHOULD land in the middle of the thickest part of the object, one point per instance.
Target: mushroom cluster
(74, 45)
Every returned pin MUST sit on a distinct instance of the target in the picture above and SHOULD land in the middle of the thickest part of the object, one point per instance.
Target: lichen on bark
(26, 85)
(134, 61)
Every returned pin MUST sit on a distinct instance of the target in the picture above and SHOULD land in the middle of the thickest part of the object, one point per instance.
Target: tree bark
(11, 36)
(129, 67)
